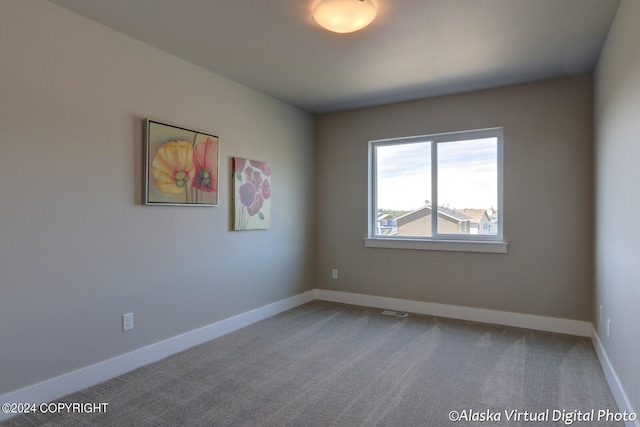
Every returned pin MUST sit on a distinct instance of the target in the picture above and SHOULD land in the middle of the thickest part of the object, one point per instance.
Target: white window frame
(439, 241)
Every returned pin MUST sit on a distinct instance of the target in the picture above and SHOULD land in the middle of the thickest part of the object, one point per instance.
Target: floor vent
(395, 313)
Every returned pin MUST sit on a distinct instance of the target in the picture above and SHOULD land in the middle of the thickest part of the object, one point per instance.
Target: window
(439, 191)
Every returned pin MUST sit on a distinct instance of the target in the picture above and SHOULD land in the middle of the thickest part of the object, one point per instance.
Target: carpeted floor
(328, 364)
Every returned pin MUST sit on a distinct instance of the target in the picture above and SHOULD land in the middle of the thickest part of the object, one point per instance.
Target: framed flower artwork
(252, 194)
(181, 166)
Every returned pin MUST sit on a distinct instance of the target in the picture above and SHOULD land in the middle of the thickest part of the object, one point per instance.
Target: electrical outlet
(608, 328)
(334, 273)
(127, 322)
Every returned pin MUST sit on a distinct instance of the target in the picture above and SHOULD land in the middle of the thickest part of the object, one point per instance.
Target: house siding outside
(418, 223)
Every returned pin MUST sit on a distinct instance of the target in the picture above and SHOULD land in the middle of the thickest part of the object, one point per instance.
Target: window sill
(496, 247)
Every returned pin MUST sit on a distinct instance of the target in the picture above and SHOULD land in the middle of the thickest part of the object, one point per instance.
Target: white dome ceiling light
(344, 16)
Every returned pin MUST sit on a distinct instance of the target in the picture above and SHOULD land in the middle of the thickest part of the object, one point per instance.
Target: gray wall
(77, 249)
(617, 198)
(547, 202)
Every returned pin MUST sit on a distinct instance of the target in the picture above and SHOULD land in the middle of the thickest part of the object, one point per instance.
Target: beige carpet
(327, 364)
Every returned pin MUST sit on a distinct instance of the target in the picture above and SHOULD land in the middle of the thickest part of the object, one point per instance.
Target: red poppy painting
(252, 189)
(181, 166)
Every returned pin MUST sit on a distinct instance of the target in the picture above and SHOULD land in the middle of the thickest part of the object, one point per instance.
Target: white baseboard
(71, 382)
(612, 378)
(541, 323)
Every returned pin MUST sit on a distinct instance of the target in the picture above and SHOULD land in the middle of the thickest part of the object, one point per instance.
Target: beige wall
(617, 201)
(547, 202)
(77, 249)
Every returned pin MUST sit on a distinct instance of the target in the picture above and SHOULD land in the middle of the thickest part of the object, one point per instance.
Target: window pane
(468, 187)
(403, 189)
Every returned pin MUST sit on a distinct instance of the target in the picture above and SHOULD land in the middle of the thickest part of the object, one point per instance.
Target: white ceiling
(414, 49)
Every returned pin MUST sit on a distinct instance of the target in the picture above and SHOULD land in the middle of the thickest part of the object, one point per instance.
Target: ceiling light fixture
(344, 16)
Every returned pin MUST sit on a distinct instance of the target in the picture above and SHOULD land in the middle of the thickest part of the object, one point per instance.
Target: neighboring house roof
(453, 214)
(475, 214)
(413, 215)
(447, 213)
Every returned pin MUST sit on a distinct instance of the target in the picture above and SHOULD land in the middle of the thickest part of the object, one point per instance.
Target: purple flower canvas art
(252, 194)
